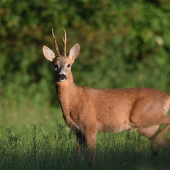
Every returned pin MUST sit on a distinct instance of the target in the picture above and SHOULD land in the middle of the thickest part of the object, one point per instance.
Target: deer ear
(74, 52)
(48, 53)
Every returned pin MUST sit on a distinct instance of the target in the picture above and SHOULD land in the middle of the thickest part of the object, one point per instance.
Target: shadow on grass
(59, 152)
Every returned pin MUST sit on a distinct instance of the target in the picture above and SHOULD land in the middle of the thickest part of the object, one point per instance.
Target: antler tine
(55, 44)
(64, 44)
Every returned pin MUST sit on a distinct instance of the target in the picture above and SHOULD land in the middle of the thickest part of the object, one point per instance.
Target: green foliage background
(123, 44)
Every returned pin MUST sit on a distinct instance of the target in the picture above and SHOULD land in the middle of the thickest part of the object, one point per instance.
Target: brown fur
(87, 110)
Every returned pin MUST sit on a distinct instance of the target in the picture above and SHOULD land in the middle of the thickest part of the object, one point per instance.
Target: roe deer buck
(88, 110)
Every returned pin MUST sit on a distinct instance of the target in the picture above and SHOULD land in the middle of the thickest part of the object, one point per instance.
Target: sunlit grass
(22, 117)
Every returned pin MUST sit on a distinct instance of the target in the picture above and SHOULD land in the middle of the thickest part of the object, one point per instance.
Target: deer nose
(61, 76)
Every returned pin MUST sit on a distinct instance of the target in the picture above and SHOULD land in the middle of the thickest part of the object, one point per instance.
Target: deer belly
(113, 124)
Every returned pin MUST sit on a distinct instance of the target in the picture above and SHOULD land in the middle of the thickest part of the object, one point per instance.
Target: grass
(36, 137)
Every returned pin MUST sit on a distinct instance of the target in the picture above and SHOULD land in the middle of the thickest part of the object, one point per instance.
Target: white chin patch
(63, 80)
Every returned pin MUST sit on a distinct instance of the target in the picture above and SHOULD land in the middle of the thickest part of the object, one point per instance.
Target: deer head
(62, 63)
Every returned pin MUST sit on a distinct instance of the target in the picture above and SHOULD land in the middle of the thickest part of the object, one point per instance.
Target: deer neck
(66, 92)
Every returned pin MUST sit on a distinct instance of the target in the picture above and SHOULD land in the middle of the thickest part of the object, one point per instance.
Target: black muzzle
(61, 77)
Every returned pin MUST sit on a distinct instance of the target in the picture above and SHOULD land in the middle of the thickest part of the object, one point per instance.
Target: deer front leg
(80, 144)
(90, 138)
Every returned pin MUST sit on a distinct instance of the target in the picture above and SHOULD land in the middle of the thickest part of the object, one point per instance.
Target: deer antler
(55, 44)
(64, 44)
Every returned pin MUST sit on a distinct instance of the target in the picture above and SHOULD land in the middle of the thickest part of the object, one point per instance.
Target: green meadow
(36, 137)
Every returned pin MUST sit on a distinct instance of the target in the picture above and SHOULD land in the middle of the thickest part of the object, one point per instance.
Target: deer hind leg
(157, 138)
(150, 132)
(162, 140)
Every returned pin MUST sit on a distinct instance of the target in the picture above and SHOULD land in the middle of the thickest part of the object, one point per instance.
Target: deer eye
(56, 66)
(68, 65)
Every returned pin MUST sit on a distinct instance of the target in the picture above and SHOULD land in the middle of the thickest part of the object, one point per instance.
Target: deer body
(87, 110)
(111, 109)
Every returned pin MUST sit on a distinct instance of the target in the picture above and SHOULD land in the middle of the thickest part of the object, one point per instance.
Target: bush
(123, 44)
